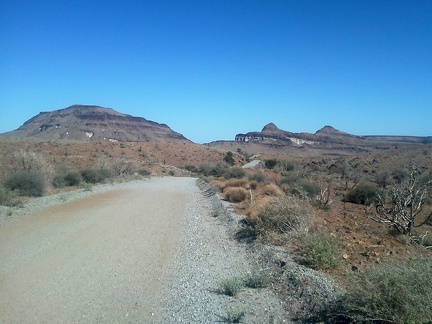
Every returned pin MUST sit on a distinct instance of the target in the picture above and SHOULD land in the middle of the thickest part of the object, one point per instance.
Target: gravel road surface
(138, 252)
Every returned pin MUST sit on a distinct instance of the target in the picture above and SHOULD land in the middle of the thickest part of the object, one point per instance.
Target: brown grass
(235, 194)
(272, 190)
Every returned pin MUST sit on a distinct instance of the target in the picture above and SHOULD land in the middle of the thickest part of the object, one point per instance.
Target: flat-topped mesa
(90, 123)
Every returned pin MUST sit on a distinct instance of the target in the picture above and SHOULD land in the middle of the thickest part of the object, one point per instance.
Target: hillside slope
(94, 123)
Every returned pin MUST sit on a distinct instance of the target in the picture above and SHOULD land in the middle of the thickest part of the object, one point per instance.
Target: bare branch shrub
(405, 203)
(122, 166)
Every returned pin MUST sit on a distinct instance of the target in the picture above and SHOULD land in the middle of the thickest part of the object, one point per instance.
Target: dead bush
(272, 190)
(235, 194)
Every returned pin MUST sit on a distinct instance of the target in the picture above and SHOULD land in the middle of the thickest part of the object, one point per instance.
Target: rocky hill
(94, 123)
(326, 135)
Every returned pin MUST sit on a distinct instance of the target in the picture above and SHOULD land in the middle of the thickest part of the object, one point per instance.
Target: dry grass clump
(237, 183)
(217, 184)
(253, 185)
(272, 190)
(235, 194)
(281, 219)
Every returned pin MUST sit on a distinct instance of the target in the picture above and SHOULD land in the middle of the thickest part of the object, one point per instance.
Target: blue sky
(212, 69)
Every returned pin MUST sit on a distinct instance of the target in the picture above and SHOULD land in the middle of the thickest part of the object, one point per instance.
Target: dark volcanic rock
(80, 122)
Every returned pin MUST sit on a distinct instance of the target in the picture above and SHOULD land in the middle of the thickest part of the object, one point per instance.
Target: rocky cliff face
(90, 123)
(326, 135)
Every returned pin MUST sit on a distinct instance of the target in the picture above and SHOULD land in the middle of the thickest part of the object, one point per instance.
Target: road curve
(98, 259)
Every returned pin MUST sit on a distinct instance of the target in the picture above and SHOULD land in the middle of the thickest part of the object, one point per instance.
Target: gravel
(206, 254)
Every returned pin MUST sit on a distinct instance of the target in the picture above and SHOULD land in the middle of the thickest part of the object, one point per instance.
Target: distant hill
(327, 139)
(327, 134)
(94, 123)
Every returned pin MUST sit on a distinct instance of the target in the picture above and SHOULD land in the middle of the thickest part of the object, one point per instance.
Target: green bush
(235, 315)
(95, 175)
(395, 292)
(257, 279)
(213, 170)
(144, 172)
(319, 251)
(27, 183)
(72, 178)
(59, 181)
(270, 164)
(229, 158)
(301, 187)
(364, 193)
(234, 173)
(258, 177)
(231, 286)
(8, 197)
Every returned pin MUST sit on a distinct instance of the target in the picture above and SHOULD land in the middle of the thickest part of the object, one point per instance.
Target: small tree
(406, 201)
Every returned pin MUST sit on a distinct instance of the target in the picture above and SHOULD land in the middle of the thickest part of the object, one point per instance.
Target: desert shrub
(394, 292)
(363, 193)
(8, 197)
(27, 183)
(72, 178)
(231, 286)
(272, 190)
(59, 181)
(400, 175)
(213, 170)
(235, 194)
(95, 175)
(253, 184)
(235, 315)
(191, 168)
(236, 183)
(144, 172)
(285, 166)
(234, 173)
(283, 215)
(258, 278)
(301, 187)
(270, 163)
(258, 177)
(229, 158)
(319, 251)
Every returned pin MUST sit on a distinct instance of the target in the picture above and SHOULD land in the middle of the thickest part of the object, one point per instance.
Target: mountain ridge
(91, 122)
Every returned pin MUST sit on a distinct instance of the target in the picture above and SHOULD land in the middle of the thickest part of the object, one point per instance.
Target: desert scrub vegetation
(363, 193)
(95, 175)
(258, 278)
(319, 250)
(235, 315)
(8, 197)
(233, 173)
(71, 178)
(299, 186)
(281, 219)
(272, 190)
(26, 183)
(235, 194)
(231, 286)
(397, 292)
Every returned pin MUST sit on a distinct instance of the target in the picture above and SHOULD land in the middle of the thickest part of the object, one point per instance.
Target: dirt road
(103, 258)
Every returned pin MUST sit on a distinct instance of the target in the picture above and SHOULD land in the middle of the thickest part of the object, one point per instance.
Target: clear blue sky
(212, 68)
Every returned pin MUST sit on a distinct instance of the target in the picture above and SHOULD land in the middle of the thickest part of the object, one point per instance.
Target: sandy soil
(102, 258)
